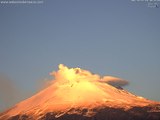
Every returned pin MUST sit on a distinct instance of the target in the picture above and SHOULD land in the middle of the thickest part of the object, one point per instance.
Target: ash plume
(10, 93)
(76, 74)
(114, 81)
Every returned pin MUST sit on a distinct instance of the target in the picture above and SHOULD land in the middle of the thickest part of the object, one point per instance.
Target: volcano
(77, 94)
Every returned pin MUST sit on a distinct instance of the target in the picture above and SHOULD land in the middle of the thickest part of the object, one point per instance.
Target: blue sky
(118, 38)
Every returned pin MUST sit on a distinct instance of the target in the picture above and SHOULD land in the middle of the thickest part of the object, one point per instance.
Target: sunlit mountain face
(77, 94)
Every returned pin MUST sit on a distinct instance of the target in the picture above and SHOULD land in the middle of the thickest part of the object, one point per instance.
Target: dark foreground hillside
(135, 113)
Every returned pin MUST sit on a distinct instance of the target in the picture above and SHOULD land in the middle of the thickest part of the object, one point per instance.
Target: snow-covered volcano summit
(77, 94)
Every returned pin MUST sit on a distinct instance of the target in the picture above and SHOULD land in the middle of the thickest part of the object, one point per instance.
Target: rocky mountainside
(77, 94)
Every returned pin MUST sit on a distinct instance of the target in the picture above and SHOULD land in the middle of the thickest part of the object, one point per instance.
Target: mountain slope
(77, 94)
